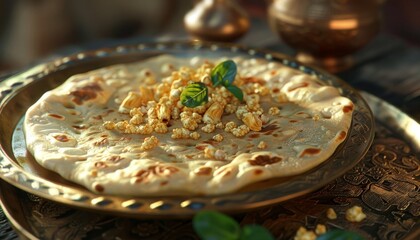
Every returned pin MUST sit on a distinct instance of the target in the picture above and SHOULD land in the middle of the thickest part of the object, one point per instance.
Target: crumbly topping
(320, 229)
(230, 126)
(316, 117)
(218, 137)
(149, 143)
(180, 133)
(253, 121)
(137, 119)
(157, 102)
(209, 152)
(161, 127)
(195, 135)
(220, 125)
(331, 214)
(240, 131)
(108, 125)
(355, 214)
(304, 234)
(208, 128)
(274, 111)
(262, 145)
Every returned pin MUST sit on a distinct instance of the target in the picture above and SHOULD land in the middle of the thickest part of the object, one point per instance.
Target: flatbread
(65, 131)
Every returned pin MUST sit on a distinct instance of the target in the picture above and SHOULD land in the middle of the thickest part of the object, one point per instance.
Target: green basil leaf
(210, 225)
(340, 235)
(224, 73)
(252, 232)
(236, 91)
(194, 95)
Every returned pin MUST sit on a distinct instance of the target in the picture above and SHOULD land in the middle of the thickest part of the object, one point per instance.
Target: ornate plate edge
(175, 207)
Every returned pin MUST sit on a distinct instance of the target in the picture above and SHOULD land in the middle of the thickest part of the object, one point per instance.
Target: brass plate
(23, 89)
(37, 218)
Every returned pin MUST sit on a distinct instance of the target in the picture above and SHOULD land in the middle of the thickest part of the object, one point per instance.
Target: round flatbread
(123, 130)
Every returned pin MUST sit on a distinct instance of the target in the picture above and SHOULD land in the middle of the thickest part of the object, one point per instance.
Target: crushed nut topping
(331, 214)
(262, 145)
(320, 229)
(209, 152)
(149, 143)
(304, 234)
(180, 133)
(218, 137)
(274, 111)
(195, 135)
(156, 104)
(355, 214)
(108, 125)
(240, 131)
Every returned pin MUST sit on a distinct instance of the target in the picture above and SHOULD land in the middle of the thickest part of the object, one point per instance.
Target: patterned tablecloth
(385, 183)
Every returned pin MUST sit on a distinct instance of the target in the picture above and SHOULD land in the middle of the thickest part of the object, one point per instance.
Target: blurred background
(31, 30)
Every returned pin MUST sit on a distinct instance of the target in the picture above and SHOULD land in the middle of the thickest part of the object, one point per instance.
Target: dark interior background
(34, 29)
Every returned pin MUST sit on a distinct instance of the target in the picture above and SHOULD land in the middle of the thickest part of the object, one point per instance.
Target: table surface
(387, 68)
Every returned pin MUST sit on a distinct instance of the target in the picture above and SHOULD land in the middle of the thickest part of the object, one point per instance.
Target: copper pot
(217, 20)
(325, 32)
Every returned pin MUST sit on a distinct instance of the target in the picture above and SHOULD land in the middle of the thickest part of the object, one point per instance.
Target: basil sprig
(224, 74)
(194, 95)
(210, 225)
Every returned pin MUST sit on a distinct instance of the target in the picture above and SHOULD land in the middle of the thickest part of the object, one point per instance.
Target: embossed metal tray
(18, 169)
(395, 149)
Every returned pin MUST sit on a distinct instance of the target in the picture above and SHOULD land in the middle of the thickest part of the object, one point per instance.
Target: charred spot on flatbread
(262, 160)
(56, 116)
(115, 159)
(204, 171)
(297, 86)
(100, 165)
(348, 108)
(144, 175)
(61, 138)
(309, 152)
(99, 187)
(85, 93)
(341, 136)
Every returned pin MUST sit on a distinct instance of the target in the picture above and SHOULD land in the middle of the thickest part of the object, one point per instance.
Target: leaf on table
(211, 225)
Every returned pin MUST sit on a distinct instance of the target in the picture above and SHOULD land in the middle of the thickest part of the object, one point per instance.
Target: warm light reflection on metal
(156, 204)
(97, 200)
(344, 24)
(128, 203)
(228, 29)
(185, 203)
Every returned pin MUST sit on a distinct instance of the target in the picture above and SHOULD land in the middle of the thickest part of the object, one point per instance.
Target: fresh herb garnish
(237, 92)
(213, 225)
(224, 74)
(250, 232)
(194, 95)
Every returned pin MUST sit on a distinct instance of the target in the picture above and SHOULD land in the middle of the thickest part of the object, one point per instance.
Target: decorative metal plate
(22, 90)
(391, 165)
